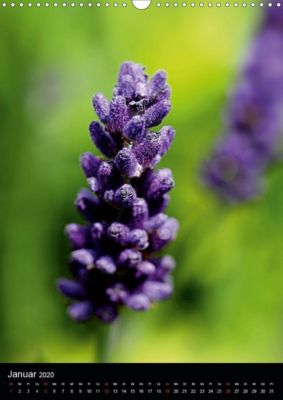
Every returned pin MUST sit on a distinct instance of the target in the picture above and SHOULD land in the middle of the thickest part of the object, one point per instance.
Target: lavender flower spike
(114, 261)
(254, 119)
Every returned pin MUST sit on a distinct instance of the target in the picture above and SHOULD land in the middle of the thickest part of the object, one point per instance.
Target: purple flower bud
(155, 114)
(146, 268)
(164, 234)
(97, 232)
(86, 257)
(105, 175)
(165, 265)
(139, 212)
(101, 106)
(138, 238)
(117, 293)
(80, 272)
(93, 184)
(159, 205)
(118, 233)
(88, 205)
(77, 234)
(89, 164)
(125, 196)
(141, 91)
(119, 114)
(72, 289)
(127, 163)
(107, 313)
(108, 196)
(159, 183)
(157, 290)
(129, 258)
(233, 170)
(155, 222)
(102, 139)
(135, 129)
(126, 87)
(165, 94)
(148, 149)
(138, 302)
(135, 70)
(167, 135)
(106, 264)
(157, 84)
(82, 311)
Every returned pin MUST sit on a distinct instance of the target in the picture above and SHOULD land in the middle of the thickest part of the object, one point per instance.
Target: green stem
(101, 343)
(106, 338)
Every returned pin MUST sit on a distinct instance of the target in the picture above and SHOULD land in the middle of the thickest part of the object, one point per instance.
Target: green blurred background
(228, 303)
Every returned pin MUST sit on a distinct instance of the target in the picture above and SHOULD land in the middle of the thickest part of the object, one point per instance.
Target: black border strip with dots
(115, 4)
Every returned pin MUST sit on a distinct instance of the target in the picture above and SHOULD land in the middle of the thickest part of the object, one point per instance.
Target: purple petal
(125, 196)
(138, 238)
(141, 91)
(82, 311)
(93, 184)
(164, 234)
(148, 149)
(117, 293)
(159, 183)
(77, 234)
(139, 212)
(108, 196)
(97, 232)
(106, 264)
(167, 135)
(118, 233)
(105, 175)
(135, 129)
(154, 115)
(135, 70)
(165, 94)
(88, 205)
(157, 84)
(101, 106)
(138, 302)
(119, 114)
(102, 139)
(159, 205)
(127, 163)
(167, 263)
(165, 266)
(155, 222)
(129, 258)
(126, 87)
(72, 289)
(89, 164)
(86, 257)
(146, 268)
(157, 290)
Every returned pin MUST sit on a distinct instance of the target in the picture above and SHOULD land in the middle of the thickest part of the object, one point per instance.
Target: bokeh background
(228, 303)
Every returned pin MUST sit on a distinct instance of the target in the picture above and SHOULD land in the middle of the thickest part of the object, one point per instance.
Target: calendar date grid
(139, 387)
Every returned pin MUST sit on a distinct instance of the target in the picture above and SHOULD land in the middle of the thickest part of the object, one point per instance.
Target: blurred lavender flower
(254, 119)
(114, 260)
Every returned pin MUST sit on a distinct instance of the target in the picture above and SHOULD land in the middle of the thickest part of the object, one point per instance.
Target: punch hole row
(158, 4)
(64, 5)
